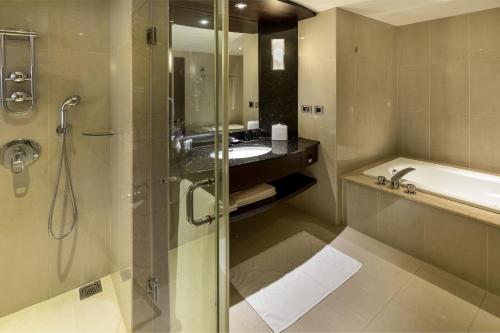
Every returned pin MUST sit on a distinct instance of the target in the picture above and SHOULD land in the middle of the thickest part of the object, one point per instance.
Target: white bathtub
(469, 187)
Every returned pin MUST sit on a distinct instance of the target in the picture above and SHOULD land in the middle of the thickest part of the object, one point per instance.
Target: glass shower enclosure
(110, 221)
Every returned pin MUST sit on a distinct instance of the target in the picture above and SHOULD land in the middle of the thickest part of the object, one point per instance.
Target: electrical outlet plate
(319, 109)
(306, 108)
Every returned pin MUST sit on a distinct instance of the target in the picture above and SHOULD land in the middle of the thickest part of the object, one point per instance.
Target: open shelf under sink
(286, 188)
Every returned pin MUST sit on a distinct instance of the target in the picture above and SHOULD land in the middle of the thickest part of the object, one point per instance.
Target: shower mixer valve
(18, 154)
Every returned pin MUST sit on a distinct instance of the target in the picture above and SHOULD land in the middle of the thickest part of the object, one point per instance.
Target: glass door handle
(190, 203)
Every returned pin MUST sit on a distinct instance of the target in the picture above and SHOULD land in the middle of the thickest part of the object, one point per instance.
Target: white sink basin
(245, 152)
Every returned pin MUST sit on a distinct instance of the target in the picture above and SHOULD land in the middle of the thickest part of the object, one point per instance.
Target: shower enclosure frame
(218, 230)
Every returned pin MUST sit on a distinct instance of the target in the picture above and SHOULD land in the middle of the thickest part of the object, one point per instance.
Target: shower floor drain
(90, 289)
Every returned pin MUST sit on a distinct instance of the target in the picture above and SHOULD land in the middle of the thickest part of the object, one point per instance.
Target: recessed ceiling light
(204, 21)
(241, 5)
(240, 48)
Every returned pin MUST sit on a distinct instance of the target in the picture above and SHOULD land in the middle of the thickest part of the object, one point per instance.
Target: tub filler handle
(411, 189)
(381, 180)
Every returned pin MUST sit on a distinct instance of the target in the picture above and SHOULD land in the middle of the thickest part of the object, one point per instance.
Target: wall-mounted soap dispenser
(18, 154)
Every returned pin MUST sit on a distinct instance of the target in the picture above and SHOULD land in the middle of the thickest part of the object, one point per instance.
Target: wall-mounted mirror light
(278, 51)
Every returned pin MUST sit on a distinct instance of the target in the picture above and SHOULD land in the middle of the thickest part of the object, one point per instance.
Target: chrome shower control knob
(411, 189)
(381, 180)
(18, 96)
(18, 154)
(18, 76)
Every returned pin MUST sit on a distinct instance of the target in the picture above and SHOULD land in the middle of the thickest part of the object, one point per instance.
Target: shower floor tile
(67, 314)
(393, 292)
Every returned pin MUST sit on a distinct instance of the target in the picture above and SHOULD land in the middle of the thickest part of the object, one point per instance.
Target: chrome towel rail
(17, 96)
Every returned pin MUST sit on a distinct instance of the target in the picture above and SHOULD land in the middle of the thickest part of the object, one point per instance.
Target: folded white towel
(233, 205)
(254, 194)
(286, 281)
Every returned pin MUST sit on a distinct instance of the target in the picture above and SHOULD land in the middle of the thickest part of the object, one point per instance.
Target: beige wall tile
(413, 44)
(72, 57)
(450, 138)
(23, 259)
(484, 83)
(484, 32)
(449, 88)
(345, 35)
(413, 134)
(362, 209)
(366, 90)
(400, 224)
(79, 25)
(493, 260)
(463, 101)
(457, 245)
(449, 39)
(317, 86)
(375, 40)
(413, 88)
(251, 75)
(484, 136)
(35, 17)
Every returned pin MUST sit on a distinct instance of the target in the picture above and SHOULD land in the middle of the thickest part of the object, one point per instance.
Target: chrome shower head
(70, 102)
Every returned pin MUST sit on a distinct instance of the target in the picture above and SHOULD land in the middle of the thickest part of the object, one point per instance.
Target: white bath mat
(286, 281)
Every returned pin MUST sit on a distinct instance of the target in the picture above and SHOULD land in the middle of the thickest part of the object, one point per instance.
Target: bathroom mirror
(193, 86)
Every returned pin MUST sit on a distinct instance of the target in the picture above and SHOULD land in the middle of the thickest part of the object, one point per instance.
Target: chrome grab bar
(190, 203)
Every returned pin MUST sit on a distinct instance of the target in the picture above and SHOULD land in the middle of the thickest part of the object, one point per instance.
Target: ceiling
(401, 12)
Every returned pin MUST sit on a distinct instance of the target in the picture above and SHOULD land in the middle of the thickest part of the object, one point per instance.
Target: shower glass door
(187, 41)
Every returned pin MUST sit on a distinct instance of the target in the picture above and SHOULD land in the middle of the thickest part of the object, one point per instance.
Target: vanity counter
(285, 158)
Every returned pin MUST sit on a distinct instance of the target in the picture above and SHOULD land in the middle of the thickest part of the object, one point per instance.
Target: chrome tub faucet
(395, 179)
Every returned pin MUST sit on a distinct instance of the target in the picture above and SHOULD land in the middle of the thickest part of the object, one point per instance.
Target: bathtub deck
(454, 207)
(67, 314)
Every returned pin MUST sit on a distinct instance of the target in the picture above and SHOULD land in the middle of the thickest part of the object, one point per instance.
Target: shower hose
(63, 161)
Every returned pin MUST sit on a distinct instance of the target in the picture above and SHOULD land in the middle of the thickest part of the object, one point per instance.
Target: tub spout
(395, 180)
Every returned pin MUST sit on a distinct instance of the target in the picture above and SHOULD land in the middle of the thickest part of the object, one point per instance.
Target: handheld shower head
(70, 102)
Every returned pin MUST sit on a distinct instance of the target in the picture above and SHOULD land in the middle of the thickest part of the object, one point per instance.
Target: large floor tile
(242, 317)
(420, 306)
(66, 313)
(331, 315)
(382, 251)
(378, 280)
(451, 284)
(488, 316)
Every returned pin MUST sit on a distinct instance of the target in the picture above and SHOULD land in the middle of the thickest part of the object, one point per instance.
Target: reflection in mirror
(193, 80)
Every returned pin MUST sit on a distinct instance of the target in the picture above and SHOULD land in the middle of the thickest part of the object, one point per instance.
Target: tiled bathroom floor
(67, 314)
(393, 292)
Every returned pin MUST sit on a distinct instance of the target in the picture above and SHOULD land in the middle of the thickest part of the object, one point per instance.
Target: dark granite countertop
(198, 159)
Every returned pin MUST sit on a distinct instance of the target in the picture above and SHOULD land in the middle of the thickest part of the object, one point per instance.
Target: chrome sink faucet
(395, 179)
